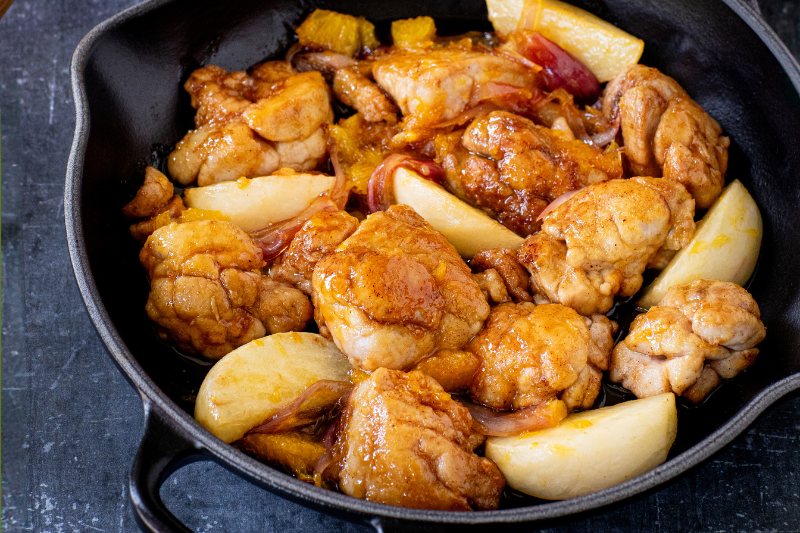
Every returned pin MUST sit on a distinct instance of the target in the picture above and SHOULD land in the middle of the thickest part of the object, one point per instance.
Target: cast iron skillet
(127, 76)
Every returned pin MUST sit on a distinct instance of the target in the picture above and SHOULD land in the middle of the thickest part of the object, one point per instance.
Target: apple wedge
(256, 380)
(469, 229)
(601, 46)
(253, 204)
(588, 451)
(725, 246)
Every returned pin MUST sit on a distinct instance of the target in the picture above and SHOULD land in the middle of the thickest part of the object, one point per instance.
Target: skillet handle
(163, 450)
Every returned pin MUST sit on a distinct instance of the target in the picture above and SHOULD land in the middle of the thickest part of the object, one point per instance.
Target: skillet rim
(287, 486)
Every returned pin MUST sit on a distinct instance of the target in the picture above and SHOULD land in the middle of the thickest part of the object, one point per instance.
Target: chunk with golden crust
(317, 238)
(206, 291)
(666, 133)
(395, 292)
(405, 442)
(611, 231)
(698, 333)
(152, 197)
(534, 353)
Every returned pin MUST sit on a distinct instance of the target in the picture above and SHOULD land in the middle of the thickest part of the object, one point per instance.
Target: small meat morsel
(207, 293)
(395, 292)
(506, 264)
(317, 238)
(152, 197)
(405, 442)
(531, 354)
(697, 334)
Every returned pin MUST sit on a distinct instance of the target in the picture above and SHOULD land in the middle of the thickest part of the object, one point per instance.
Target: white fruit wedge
(725, 246)
(601, 46)
(253, 382)
(253, 204)
(469, 229)
(588, 451)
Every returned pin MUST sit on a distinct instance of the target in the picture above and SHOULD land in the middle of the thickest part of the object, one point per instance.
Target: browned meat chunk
(666, 133)
(512, 168)
(597, 244)
(317, 238)
(207, 293)
(534, 353)
(395, 292)
(698, 333)
(405, 442)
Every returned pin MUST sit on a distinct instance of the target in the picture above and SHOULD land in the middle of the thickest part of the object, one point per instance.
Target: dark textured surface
(72, 424)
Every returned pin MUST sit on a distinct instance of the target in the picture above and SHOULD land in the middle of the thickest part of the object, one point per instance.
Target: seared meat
(251, 125)
(207, 293)
(405, 442)
(362, 94)
(317, 238)
(395, 292)
(533, 353)
(512, 168)
(666, 133)
(607, 234)
(698, 333)
(152, 197)
(506, 264)
(431, 86)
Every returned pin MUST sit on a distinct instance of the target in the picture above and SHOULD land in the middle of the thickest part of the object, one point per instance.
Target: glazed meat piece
(505, 263)
(317, 238)
(292, 110)
(666, 133)
(352, 88)
(430, 86)
(452, 369)
(206, 291)
(405, 442)
(395, 292)
(152, 197)
(252, 124)
(533, 353)
(214, 153)
(607, 234)
(512, 168)
(697, 334)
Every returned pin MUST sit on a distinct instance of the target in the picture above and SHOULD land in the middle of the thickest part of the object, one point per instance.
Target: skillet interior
(133, 76)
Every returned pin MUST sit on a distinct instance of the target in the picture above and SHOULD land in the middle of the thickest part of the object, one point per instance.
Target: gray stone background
(71, 423)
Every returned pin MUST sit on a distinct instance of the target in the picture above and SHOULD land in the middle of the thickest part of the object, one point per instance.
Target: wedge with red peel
(588, 451)
(255, 381)
(469, 229)
(725, 246)
(599, 45)
(253, 204)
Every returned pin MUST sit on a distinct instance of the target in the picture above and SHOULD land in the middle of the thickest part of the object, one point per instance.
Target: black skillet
(127, 75)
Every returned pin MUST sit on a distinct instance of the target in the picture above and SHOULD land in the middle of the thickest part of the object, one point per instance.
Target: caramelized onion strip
(497, 424)
(317, 400)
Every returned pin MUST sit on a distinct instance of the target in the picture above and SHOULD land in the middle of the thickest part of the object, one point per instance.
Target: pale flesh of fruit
(253, 382)
(470, 230)
(253, 204)
(725, 246)
(601, 46)
(589, 451)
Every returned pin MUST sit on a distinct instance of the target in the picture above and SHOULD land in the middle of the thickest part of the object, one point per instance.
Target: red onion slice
(329, 441)
(607, 137)
(275, 238)
(555, 203)
(380, 194)
(560, 68)
(495, 424)
(319, 398)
